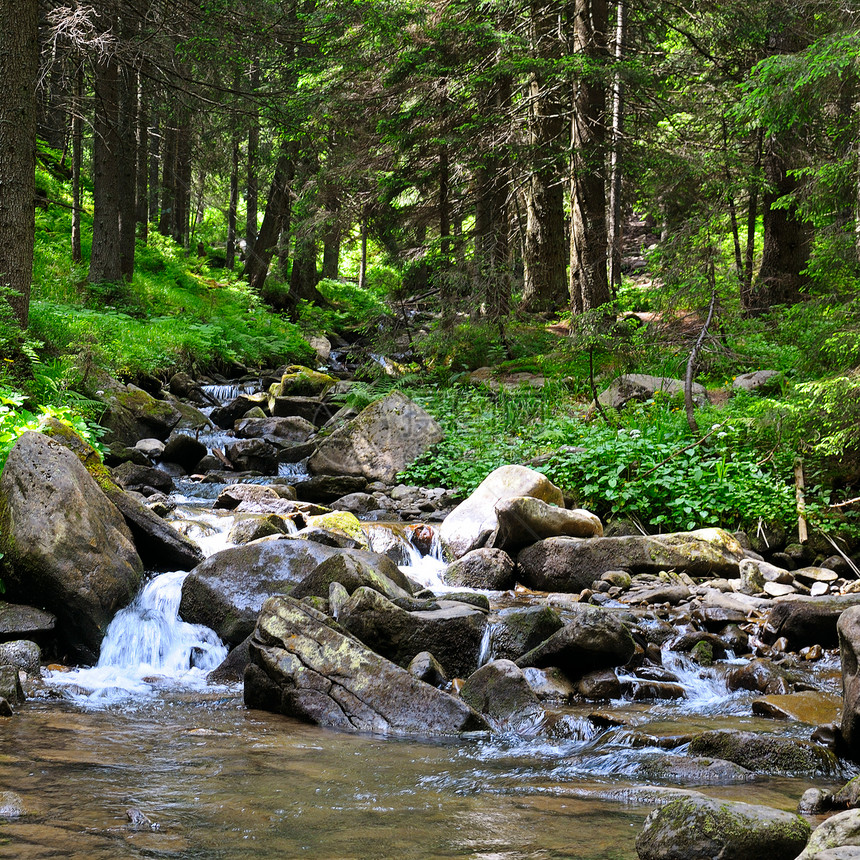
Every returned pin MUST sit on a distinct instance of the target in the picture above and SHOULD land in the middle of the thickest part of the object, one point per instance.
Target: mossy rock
(341, 522)
(299, 381)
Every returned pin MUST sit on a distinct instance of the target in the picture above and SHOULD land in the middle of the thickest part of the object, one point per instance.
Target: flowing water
(143, 731)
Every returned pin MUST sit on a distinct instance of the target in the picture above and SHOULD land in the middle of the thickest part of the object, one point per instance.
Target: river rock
(691, 770)
(22, 654)
(184, 450)
(762, 753)
(808, 620)
(303, 666)
(500, 692)
(299, 381)
(18, 621)
(642, 387)
(133, 414)
(256, 526)
(524, 520)
(311, 409)
(849, 652)
(327, 537)
(353, 573)
(253, 455)
(380, 442)
(280, 432)
(702, 828)
(10, 684)
(571, 564)
(356, 503)
(519, 630)
(342, 522)
(227, 591)
(425, 667)
(810, 706)
(327, 488)
(491, 569)
(67, 547)
(470, 525)
(452, 632)
(838, 831)
(130, 476)
(593, 639)
(227, 415)
(231, 497)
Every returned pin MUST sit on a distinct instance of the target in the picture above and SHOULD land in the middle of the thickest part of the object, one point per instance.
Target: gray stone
(452, 632)
(808, 620)
(571, 564)
(18, 621)
(380, 442)
(311, 409)
(356, 503)
(759, 382)
(519, 630)
(328, 488)
(255, 526)
(10, 684)
(132, 414)
(66, 546)
(837, 832)
(303, 666)
(353, 573)
(641, 387)
(702, 828)
(470, 525)
(500, 692)
(524, 520)
(253, 455)
(130, 476)
(184, 450)
(425, 667)
(593, 639)
(849, 652)
(280, 432)
(22, 654)
(491, 569)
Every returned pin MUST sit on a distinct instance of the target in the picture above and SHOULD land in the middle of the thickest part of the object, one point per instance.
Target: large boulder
(451, 632)
(524, 520)
(500, 692)
(227, 415)
(311, 409)
(593, 639)
(765, 753)
(184, 450)
(228, 590)
(352, 573)
(470, 525)
(305, 667)
(696, 827)
(280, 432)
(253, 455)
(641, 387)
(133, 414)
(519, 630)
(67, 547)
(25, 622)
(571, 564)
(849, 652)
(382, 441)
(808, 620)
(839, 831)
(491, 569)
(300, 381)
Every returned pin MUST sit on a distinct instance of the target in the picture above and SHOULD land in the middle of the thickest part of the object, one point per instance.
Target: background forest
(561, 193)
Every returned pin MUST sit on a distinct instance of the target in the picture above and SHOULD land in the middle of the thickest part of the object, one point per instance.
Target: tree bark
(169, 140)
(19, 57)
(589, 285)
(251, 196)
(616, 173)
(154, 146)
(142, 168)
(127, 190)
(77, 156)
(544, 257)
(106, 257)
(230, 254)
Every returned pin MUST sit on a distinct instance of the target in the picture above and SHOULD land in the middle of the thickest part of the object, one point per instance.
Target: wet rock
(22, 654)
(249, 528)
(303, 666)
(758, 676)
(837, 832)
(19, 621)
(491, 569)
(524, 520)
(816, 574)
(299, 381)
(342, 522)
(500, 692)
(133, 477)
(571, 564)
(356, 503)
(470, 525)
(329, 538)
(765, 753)
(353, 573)
(593, 639)
(778, 589)
(184, 450)
(5, 708)
(66, 546)
(137, 820)
(311, 409)
(452, 633)
(808, 620)
(133, 414)
(642, 690)
(812, 707)
(152, 449)
(253, 455)
(602, 684)
(231, 497)
(227, 591)
(849, 652)
(280, 432)
(425, 667)
(519, 630)
(815, 801)
(232, 667)
(328, 488)
(550, 684)
(10, 685)
(702, 828)
(380, 442)
(692, 770)
(11, 805)
(226, 416)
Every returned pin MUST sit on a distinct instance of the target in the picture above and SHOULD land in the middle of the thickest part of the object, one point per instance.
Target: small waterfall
(398, 544)
(146, 644)
(227, 392)
(485, 652)
(294, 471)
(705, 687)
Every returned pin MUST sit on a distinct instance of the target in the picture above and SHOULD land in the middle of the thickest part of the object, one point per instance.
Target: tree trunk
(251, 196)
(544, 257)
(19, 57)
(332, 232)
(362, 266)
(154, 146)
(616, 173)
(183, 179)
(77, 156)
(230, 254)
(169, 139)
(127, 190)
(260, 254)
(589, 285)
(106, 257)
(141, 168)
(752, 218)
